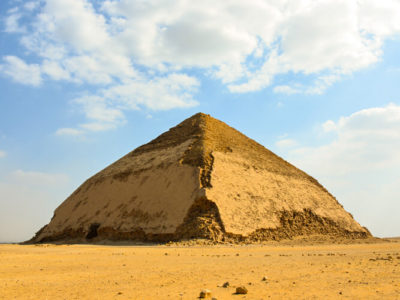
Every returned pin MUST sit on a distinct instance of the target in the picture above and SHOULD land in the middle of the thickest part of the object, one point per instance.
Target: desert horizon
(178, 149)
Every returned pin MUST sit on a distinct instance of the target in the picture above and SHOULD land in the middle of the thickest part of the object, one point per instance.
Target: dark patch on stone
(93, 231)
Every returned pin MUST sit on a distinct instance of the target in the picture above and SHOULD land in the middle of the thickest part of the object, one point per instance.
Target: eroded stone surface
(201, 179)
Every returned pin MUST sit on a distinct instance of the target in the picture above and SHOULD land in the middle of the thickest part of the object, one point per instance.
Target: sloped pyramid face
(201, 179)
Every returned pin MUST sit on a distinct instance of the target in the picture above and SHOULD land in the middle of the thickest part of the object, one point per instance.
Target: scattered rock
(226, 284)
(194, 142)
(241, 290)
(205, 294)
(265, 278)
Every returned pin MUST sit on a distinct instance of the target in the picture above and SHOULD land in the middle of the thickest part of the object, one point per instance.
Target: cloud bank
(360, 165)
(133, 54)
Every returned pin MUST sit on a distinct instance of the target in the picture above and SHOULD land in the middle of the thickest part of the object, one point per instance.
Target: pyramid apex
(199, 115)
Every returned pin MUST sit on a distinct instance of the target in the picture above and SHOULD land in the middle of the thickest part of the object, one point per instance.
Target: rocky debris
(205, 294)
(241, 290)
(207, 175)
(226, 284)
(265, 278)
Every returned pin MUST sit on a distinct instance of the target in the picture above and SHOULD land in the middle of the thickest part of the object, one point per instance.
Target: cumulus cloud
(143, 47)
(105, 110)
(360, 165)
(366, 139)
(20, 71)
(54, 70)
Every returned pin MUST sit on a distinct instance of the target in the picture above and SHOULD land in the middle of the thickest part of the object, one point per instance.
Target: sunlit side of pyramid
(201, 179)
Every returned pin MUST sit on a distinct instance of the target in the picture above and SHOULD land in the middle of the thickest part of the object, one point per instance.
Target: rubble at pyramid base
(200, 180)
(203, 222)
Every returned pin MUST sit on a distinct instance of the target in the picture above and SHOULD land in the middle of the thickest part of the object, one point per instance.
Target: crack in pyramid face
(200, 179)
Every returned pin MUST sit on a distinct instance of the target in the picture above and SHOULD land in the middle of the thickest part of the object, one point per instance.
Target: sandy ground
(357, 271)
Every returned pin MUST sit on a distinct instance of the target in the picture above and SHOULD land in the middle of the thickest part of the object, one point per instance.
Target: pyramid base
(204, 222)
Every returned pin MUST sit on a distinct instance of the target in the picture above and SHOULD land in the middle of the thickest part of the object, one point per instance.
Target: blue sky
(84, 82)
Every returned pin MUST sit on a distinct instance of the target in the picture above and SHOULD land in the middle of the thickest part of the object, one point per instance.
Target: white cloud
(329, 126)
(159, 93)
(20, 71)
(136, 46)
(360, 165)
(286, 89)
(31, 5)
(11, 23)
(54, 70)
(286, 143)
(98, 126)
(325, 36)
(380, 18)
(76, 23)
(2, 154)
(69, 132)
(366, 139)
(105, 110)
(318, 87)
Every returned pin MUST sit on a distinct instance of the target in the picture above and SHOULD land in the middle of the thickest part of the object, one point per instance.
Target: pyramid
(201, 179)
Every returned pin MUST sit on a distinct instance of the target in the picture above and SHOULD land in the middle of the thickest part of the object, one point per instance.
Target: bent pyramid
(201, 179)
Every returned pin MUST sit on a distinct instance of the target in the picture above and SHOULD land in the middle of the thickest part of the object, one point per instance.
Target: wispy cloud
(20, 71)
(11, 22)
(286, 143)
(69, 132)
(35, 178)
(2, 153)
(317, 87)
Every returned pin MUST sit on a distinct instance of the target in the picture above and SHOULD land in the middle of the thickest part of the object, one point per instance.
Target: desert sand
(292, 271)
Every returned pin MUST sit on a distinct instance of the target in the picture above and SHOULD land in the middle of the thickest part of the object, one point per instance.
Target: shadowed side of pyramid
(201, 179)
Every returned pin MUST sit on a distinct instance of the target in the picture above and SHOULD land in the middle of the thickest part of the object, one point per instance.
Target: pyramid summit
(200, 179)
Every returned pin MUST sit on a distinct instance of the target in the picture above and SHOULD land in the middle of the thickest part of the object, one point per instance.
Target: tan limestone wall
(155, 199)
(250, 198)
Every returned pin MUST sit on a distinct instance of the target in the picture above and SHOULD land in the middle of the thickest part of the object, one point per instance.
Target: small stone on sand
(226, 284)
(205, 294)
(241, 290)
